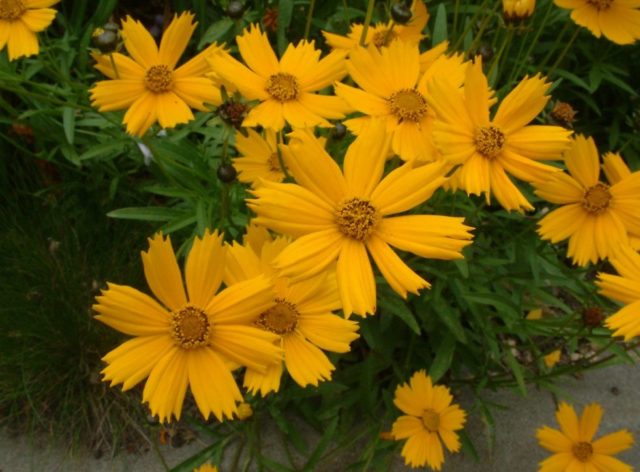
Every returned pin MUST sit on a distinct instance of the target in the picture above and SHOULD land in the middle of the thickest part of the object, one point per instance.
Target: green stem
(307, 26)
(367, 22)
(287, 176)
(470, 24)
(563, 53)
(483, 27)
(454, 28)
(558, 41)
(506, 41)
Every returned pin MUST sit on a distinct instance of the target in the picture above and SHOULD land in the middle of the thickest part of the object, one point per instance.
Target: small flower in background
(148, 84)
(300, 314)
(206, 468)
(259, 159)
(573, 446)
(517, 10)
(383, 34)
(535, 314)
(399, 98)
(287, 87)
(595, 217)
(347, 216)
(564, 114)
(431, 419)
(623, 288)
(489, 148)
(20, 20)
(187, 340)
(244, 411)
(551, 359)
(616, 20)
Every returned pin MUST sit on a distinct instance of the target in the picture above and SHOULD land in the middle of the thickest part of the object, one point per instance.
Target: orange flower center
(190, 327)
(274, 163)
(431, 420)
(159, 79)
(596, 198)
(282, 87)
(582, 451)
(600, 4)
(356, 218)
(11, 9)
(383, 38)
(408, 104)
(281, 318)
(489, 141)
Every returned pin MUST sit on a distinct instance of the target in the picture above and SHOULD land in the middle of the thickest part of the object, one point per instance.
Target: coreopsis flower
(185, 340)
(346, 216)
(383, 34)
(594, 216)
(616, 20)
(431, 419)
(615, 169)
(287, 87)
(517, 10)
(259, 159)
(300, 315)
(573, 446)
(20, 20)
(393, 87)
(624, 288)
(489, 148)
(551, 359)
(148, 84)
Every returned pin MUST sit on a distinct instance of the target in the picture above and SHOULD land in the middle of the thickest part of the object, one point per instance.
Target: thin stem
(564, 52)
(307, 26)
(454, 28)
(287, 176)
(469, 25)
(506, 41)
(367, 22)
(558, 41)
(483, 27)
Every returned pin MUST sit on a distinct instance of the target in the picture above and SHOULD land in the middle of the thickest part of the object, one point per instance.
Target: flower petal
(242, 302)
(39, 19)
(582, 161)
(167, 385)
(568, 421)
(310, 254)
(613, 443)
(256, 51)
(204, 268)
(406, 426)
(175, 39)
(306, 364)
(329, 332)
(141, 114)
(139, 43)
(250, 347)
(172, 110)
(522, 104)
(553, 440)
(355, 279)
(163, 274)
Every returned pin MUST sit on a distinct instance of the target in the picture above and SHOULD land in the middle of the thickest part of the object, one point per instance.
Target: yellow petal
(126, 68)
(582, 161)
(248, 346)
(625, 322)
(522, 104)
(268, 114)
(561, 188)
(241, 264)
(525, 169)
(269, 381)
(476, 93)
(167, 385)
(175, 39)
(613, 443)
(355, 279)
(406, 426)
(250, 84)
(553, 440)
(589, 421)
(172, 110)
(614, 167)
(242, 302)
(21, 41)
(218, 397)
(507, 194)
(139, 43)
(306, 364)
(197, 92)
(141, 114)
(204, 268)
(163, 274)
(112, 95)
(329, 332)
(562, 223)
(324, 72)
(256, 51)
(38, 20)
(311, 253)
(568, 421)
(539, 142)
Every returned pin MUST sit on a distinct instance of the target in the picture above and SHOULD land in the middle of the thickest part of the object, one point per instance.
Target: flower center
(600, 4)
(408, 104)
(274, 163)
(159, 79)
(356, 218)
(281, 318)
(596, 198)
(282, 87)
(190, 327)
(489, 141)
(582, 451)
(383, 38)
(431, 420)
(11, 9)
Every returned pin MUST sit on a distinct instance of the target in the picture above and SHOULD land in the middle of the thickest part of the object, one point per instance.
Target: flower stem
(367, 21)
(564, 52)
(307, 26)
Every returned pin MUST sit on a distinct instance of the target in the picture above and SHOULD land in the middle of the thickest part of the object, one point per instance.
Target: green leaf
(216, 32)
(440, 26)
(397, 307)
(329, 432)
(444, 356)
(147, 213)
(69, 123)
(516, 368)
(285, 12)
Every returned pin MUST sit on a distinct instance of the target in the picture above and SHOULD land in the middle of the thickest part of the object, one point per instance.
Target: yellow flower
(393, 86)
(383, 34)
(535, 314)
(285, 88)
(595, 217)
(300, 314)
(148, 84)
(516, 10)
(573, 446)
(617, 20)
(430, 419)
(259, 159)
(488, 149)
(244, 411)
(623, 288)
(20, 20)
(187, 341)
(615, 169)
(551, 359)
(344, 217)
(206, 468)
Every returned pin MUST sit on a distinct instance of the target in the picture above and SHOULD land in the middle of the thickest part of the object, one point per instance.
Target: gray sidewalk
(615, 388)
